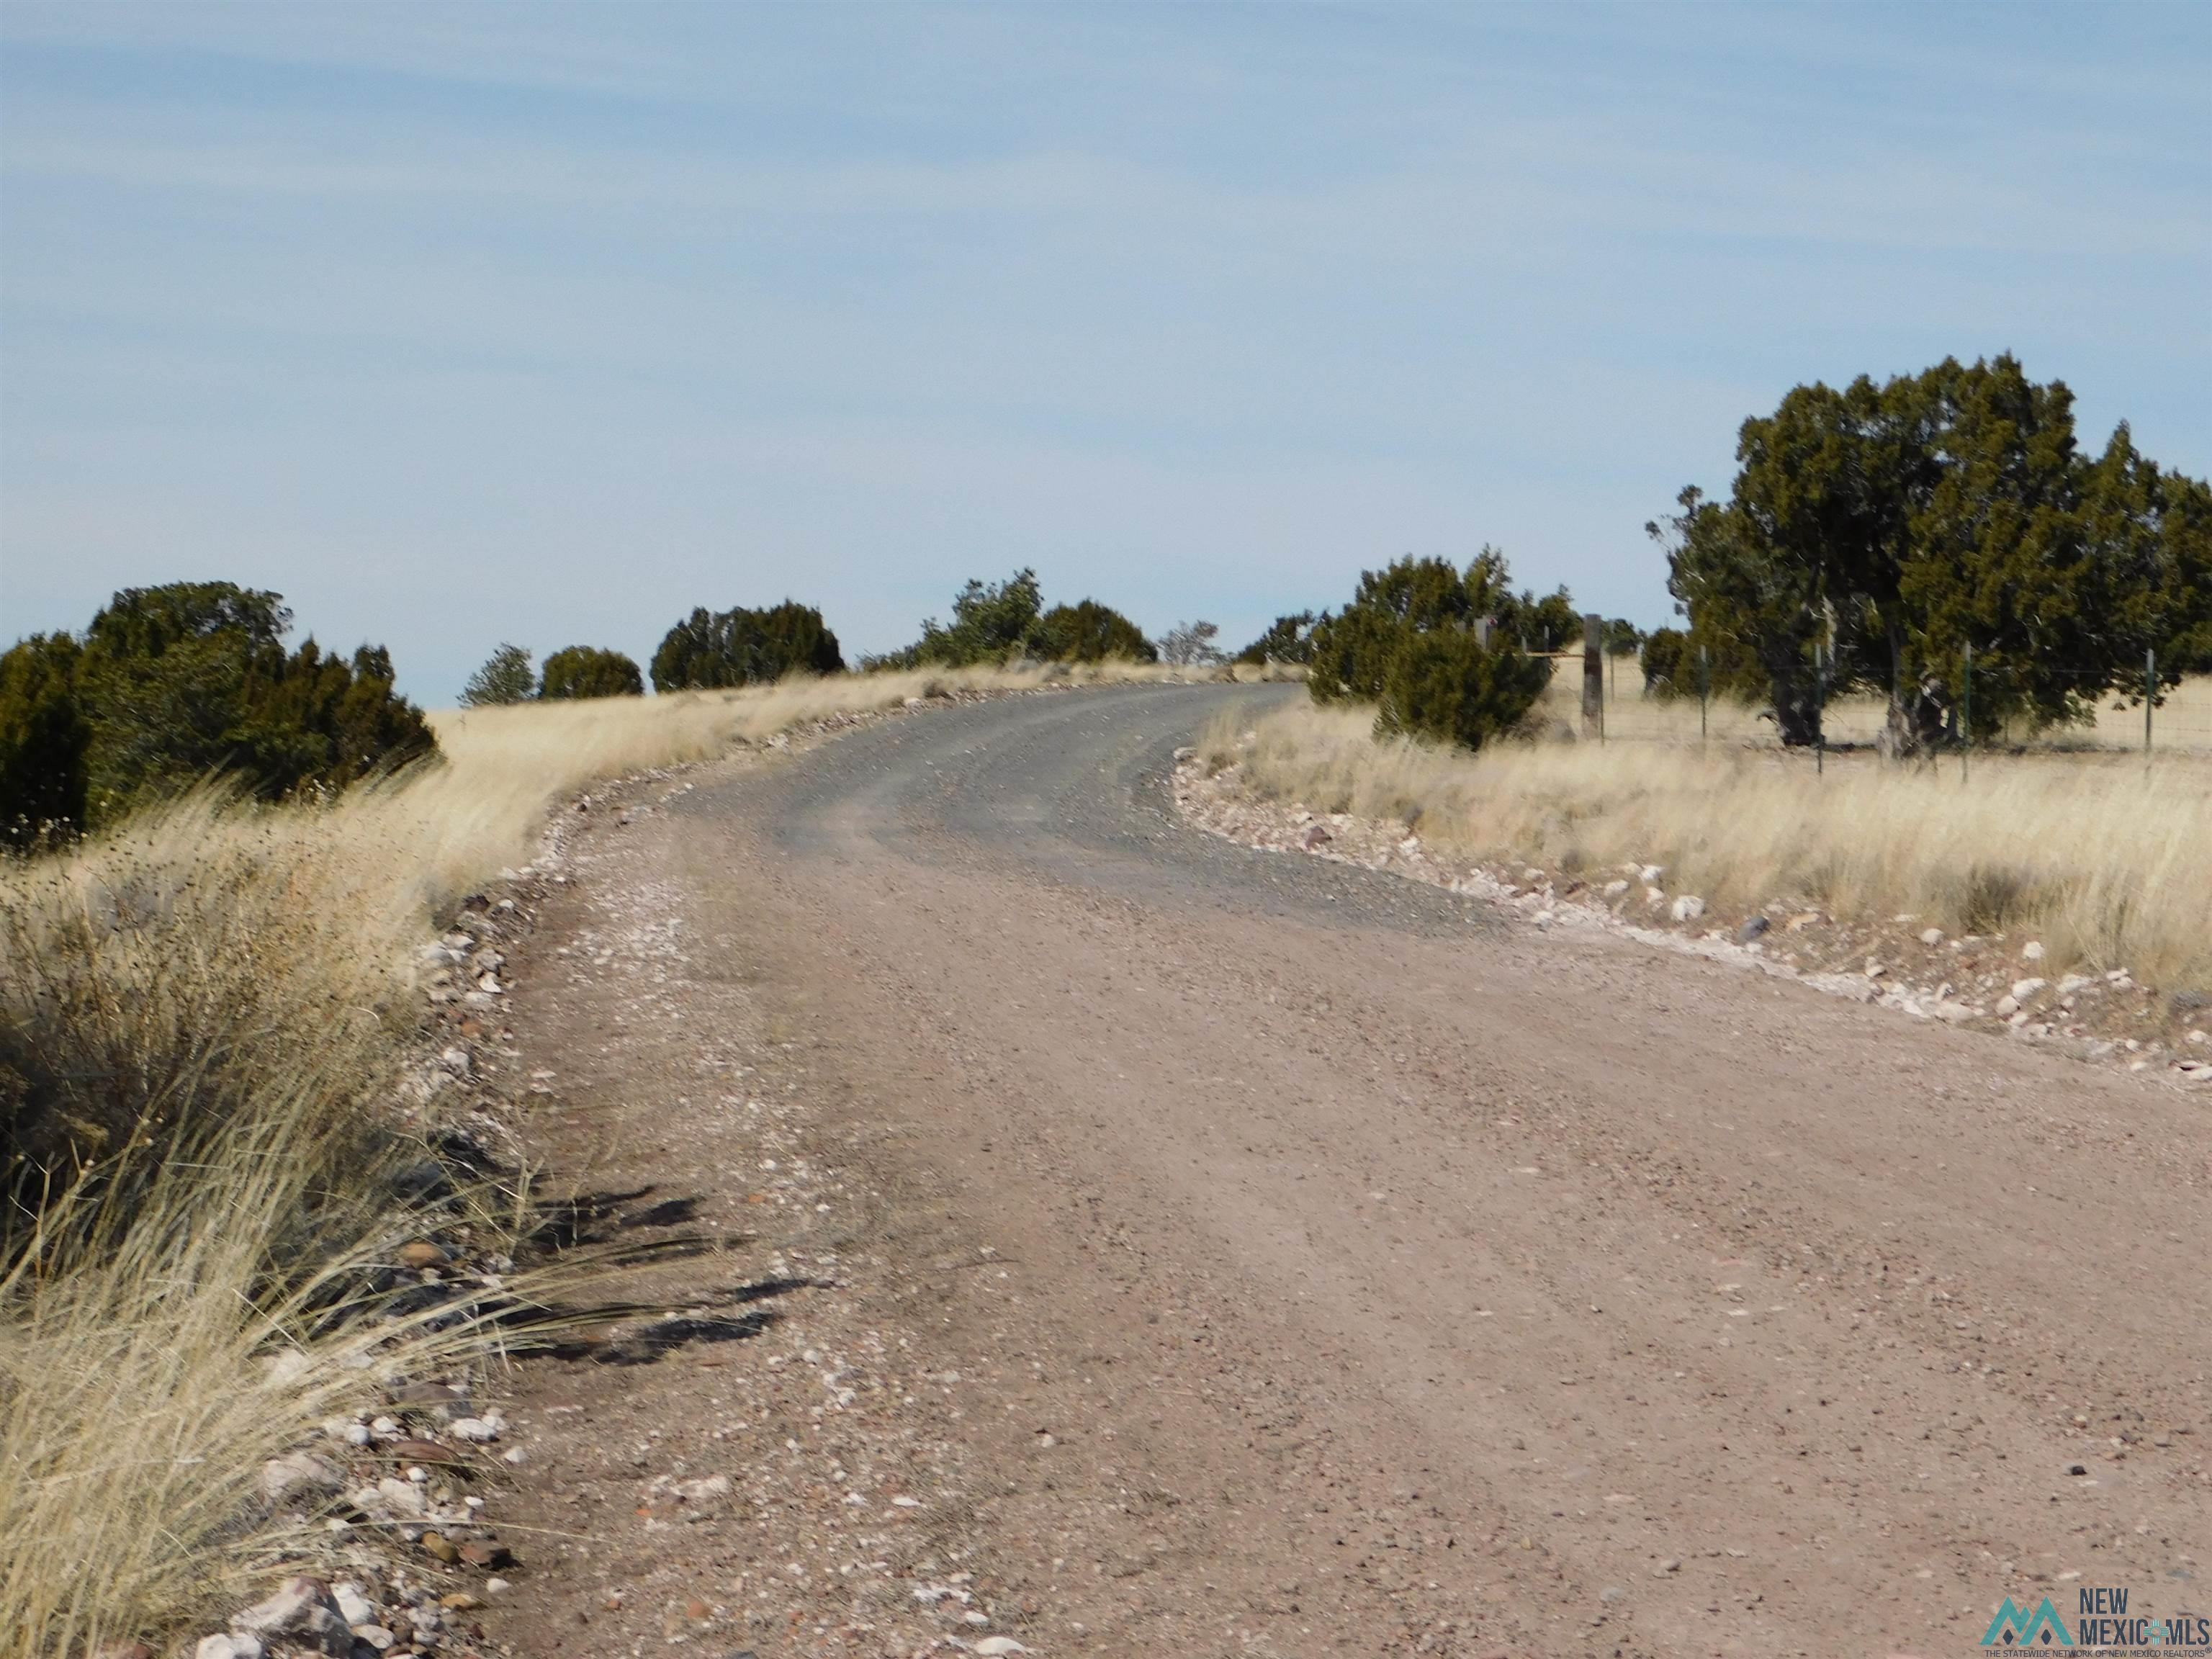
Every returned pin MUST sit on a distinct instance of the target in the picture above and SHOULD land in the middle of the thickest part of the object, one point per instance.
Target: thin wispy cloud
(570, 319)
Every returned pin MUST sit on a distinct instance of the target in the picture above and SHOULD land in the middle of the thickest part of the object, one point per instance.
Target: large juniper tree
(1874, 534)
(173, 684)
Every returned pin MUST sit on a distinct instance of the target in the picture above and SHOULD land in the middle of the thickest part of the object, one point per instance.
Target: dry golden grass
(213, 1004)
(204, 1005)
(141, 1389)
(2105, 858)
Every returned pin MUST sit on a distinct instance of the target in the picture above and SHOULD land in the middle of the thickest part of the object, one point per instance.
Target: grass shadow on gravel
(648, 1344)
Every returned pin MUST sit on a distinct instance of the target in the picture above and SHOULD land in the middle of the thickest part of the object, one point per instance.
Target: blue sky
(547, 323)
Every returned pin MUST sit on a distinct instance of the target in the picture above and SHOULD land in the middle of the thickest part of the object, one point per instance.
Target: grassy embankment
(2105, 858)
(218, 1002)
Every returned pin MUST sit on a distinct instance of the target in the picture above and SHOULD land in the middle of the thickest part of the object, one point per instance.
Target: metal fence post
(1965, 709)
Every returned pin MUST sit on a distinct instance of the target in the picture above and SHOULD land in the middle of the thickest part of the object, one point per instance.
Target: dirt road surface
(1128, 1243)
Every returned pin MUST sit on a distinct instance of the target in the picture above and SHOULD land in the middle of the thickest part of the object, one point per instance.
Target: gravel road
(1327, 1265)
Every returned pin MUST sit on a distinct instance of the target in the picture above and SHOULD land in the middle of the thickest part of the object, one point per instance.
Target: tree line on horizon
(1871, 536)
(992, 623)
(174, 685)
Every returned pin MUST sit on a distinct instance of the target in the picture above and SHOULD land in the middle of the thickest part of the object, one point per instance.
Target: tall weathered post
(1820, 651)
(1594, 675)
(2150, 694)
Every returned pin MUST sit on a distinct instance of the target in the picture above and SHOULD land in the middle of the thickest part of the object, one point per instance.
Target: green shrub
(1551, 623)
(1445, 684)
(176, 684)
(1410, 642)
(44, 739)
(1352, 650)
(998, 621)
(505, 677)
(1670, 670)
(734, 647)
(1089, 632)
(991, 622)
(1288, 639)
(334, 720)
(584, 670)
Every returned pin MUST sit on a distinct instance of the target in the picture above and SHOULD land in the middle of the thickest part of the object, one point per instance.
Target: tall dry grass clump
(151, 1364)
(200, 1037)
(2106, 859)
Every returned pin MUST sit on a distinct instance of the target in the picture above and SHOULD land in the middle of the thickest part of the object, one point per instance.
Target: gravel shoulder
(1998, 984)
(1136, 1243)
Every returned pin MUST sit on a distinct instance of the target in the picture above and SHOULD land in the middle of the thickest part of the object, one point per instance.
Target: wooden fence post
(1594, 675)
(2150, 694)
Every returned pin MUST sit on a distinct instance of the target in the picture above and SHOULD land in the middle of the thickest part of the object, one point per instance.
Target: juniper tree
(711, 650)
(1411, 642)
(174, 684)
(584, 670)
(1089, 632)
(1885, 529)
(505, 677)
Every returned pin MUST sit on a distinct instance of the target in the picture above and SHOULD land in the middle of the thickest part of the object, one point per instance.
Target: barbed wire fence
(2140, 714)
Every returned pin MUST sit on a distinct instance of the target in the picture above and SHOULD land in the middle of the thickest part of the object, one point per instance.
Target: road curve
(1465, 1290)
